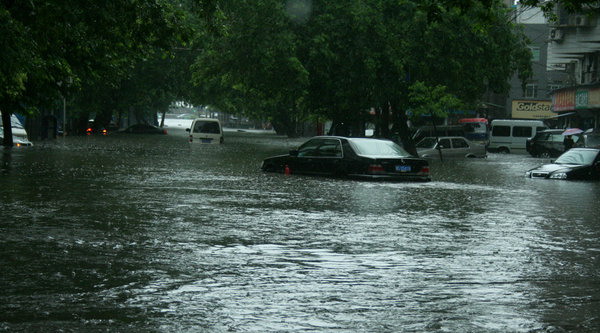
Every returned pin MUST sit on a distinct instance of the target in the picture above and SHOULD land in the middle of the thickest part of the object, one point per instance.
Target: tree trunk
(8, 137)
(403, 131)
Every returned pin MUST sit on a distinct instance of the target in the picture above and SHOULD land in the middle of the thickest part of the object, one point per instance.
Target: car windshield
(427, 143)
(368, 147)
(577, 156)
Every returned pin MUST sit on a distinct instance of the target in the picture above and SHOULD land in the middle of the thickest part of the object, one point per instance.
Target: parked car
(577, 163)
(450, 146)
(18, 141)
(205, 130)
(361, 158)
(548, 143)
(143, 129)
(589, 140)
(18, 131)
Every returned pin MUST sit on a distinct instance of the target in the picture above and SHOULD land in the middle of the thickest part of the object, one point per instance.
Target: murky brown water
(146, 234)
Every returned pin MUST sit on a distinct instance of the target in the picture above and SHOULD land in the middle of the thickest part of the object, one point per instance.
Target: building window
(531, 90)
(535, 53)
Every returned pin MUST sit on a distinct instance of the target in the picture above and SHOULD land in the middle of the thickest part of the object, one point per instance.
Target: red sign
(563, 100)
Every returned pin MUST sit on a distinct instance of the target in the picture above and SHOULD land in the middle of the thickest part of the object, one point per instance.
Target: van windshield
(210, 127)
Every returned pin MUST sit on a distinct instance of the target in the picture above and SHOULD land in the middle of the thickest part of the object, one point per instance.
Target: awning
(562, 115)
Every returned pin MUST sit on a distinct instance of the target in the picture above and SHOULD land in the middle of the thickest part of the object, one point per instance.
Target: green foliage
(434, 101)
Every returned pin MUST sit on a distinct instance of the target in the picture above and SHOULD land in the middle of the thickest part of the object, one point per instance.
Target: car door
(329, 157)
(445, 147)
(460, 147)
(305, 161)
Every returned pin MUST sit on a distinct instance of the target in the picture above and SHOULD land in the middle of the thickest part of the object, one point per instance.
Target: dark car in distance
(358, 158)
(575, 164)
(548, 143)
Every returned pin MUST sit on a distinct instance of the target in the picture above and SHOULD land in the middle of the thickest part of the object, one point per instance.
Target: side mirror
(187, 129)
(294, 152)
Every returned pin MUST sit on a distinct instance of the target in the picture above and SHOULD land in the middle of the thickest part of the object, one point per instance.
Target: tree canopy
(283, 60)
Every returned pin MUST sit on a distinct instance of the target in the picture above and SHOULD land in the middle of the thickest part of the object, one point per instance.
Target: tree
(55, 42)
(250, 65)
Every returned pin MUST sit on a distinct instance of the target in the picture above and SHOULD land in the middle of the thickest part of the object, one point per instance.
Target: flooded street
(144, 233)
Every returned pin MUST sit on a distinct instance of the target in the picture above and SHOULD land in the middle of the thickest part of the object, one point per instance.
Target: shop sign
(526, 109)
(594, 98)
(563, 100)
(581, 99)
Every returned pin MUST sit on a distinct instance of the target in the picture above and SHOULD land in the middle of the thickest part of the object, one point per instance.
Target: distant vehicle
(450, 146)
(359, 158)
(476, 129)
(205, 130)
(442, 130)
(577, 163)
(143, 129)
(18, 131)
(548, 143)
(92, 129)
(18, 141)
(510, 135)
(589, 139)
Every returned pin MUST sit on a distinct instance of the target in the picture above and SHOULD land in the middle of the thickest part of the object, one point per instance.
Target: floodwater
(145, 234)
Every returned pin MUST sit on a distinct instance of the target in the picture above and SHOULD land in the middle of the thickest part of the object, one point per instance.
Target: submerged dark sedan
(577, 163)
(352, 158)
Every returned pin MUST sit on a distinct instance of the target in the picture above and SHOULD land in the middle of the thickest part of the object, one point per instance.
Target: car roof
(446, 137)
(207, 119)
(552, 130)
(585, 148)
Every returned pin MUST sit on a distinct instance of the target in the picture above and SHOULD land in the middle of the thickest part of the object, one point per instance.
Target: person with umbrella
(568, 142)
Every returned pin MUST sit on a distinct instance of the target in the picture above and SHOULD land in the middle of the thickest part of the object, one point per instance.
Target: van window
(522, 131)
(501, 131)
(210, 127)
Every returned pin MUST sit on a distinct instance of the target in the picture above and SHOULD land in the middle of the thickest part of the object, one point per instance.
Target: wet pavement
(145, 233)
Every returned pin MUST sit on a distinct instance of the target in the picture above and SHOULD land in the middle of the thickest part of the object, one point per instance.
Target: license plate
(403, 168)
(206, 140)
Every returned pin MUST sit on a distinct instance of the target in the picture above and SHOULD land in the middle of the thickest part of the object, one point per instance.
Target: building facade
(534, 100)
(574, 48)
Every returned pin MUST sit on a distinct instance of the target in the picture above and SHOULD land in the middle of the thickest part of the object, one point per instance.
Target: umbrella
(572, 131)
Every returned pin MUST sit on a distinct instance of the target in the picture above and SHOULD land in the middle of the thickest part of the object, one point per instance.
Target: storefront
(579, 105)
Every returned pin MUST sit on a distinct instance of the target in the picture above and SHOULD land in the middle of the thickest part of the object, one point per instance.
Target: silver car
(450, 147)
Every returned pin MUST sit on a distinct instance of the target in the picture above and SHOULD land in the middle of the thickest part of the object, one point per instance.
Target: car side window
(444, 144)
(310, 148)
(459, 143)
(330, 148)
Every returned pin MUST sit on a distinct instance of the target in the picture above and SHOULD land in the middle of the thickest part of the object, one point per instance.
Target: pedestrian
(568, 142)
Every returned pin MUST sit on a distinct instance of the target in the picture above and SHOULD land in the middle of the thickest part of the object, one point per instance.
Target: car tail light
(375, 168)
(191, 139)
(164, 131)
(425, 170)
(88, 131)
(104, 131)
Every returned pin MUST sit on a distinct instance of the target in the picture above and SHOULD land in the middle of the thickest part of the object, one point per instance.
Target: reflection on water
(147, 233)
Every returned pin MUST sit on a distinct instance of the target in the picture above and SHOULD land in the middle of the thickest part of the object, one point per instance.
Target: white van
(510, 135)
(206, 130)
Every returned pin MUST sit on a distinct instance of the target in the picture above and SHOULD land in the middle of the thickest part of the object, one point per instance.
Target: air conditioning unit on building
(556, 35)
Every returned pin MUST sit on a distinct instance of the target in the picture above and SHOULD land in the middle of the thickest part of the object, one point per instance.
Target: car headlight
(558, 175)
(528, 174)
